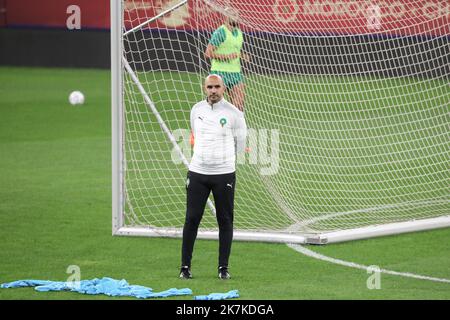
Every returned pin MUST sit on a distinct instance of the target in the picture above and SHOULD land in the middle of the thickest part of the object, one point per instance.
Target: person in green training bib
(225, 51)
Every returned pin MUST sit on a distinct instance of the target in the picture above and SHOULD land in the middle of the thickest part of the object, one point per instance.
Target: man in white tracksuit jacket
(219, 131)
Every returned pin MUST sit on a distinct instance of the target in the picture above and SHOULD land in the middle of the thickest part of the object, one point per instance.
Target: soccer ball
(76, 97)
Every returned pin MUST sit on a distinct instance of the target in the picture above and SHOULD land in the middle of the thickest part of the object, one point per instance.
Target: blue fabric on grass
(24, 283)
(219, 296)
(107, 286)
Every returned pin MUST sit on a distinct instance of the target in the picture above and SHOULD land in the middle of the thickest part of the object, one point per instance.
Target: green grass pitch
(55, 211)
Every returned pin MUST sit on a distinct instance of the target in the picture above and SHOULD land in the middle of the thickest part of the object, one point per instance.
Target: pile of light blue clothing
(112, 287)
(108, 286)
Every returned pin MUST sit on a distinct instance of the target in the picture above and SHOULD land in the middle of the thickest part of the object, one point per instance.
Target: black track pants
(198, 188)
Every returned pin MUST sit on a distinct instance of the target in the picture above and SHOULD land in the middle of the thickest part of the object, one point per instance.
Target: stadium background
(35, 34)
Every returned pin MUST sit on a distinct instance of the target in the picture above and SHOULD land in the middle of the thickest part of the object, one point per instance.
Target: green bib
(232, 44)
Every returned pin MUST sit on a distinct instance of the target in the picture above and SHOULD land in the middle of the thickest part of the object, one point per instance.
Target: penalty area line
(319, 256)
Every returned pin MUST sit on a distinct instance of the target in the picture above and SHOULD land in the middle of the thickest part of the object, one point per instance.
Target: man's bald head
(213, 78)
(214, 88)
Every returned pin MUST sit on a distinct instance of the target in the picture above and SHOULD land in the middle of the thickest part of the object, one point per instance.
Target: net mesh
(347, 105)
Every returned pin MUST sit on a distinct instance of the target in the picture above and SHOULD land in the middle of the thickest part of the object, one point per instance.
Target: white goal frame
(120, 66)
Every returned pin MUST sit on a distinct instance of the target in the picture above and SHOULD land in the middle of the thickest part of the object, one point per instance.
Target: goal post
(346, 104)
(117, 160)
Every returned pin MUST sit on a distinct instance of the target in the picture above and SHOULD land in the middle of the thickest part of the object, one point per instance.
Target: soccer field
(55, 211)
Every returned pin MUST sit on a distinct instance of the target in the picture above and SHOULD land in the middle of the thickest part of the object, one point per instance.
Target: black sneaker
(185, 273)
(223, 273)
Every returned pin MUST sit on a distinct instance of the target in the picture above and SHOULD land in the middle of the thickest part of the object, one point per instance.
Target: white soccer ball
(76, 97)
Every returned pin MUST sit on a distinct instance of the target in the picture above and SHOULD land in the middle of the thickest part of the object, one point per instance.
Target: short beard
(215, 101)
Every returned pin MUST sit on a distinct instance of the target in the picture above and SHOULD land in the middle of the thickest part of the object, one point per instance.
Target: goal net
(347, 105)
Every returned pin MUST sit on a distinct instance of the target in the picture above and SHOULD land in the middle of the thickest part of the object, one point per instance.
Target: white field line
(319, 256)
